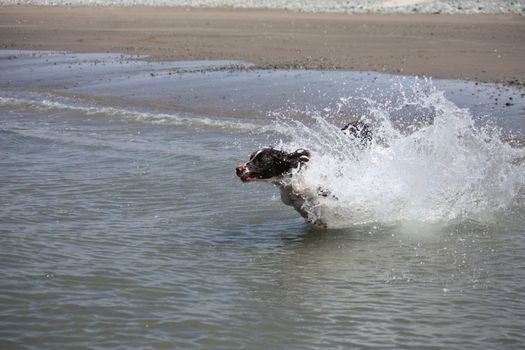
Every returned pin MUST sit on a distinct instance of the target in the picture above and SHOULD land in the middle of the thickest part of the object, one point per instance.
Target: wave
(187, 120)
(354, 6)
(434, 169)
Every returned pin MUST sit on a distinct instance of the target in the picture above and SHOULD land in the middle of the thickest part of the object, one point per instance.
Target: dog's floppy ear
(299, 157)
(303, 155)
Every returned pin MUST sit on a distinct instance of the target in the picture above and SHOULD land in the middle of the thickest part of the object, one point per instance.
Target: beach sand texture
(476, 47)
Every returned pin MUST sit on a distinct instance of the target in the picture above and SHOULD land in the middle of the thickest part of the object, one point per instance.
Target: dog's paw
(317, 223)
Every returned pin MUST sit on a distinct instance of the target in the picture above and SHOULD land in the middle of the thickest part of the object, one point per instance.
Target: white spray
(442, 170)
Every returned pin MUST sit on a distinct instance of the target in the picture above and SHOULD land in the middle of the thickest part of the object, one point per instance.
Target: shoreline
(486, 48)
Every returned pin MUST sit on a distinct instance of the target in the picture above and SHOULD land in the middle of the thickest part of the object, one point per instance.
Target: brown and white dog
(278, 167)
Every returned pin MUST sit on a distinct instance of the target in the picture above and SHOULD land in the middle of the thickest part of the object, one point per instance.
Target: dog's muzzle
(244, 173)
(241, 169)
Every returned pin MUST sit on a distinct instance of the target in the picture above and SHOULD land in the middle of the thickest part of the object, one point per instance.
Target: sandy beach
(473, 47)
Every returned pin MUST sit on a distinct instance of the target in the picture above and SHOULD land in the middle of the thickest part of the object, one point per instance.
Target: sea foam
(354, 6)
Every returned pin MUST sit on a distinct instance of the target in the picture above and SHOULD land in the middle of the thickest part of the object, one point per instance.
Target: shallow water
(123, 224)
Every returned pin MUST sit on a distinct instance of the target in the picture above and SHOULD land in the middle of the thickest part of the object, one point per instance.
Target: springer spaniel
(278, 167)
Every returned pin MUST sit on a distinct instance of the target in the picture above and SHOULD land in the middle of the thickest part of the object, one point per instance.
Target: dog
(279, 167)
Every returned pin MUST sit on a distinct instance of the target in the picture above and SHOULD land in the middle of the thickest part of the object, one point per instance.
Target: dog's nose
(240, 169)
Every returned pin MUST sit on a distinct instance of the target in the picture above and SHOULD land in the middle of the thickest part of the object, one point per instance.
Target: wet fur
(278, 167)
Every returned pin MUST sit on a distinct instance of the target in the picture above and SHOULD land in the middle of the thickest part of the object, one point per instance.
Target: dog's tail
(359, 130)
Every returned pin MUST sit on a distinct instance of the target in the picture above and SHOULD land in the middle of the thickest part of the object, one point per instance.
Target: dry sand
(478, 47)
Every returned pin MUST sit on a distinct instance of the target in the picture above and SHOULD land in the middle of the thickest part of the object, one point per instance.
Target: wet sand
(473, 47)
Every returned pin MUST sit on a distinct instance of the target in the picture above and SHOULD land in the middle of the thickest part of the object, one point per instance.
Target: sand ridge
(476, 47)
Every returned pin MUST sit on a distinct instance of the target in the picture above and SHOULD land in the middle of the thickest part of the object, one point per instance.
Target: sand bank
(477, 47)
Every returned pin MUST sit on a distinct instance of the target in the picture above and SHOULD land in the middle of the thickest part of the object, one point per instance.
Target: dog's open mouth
(249, 177)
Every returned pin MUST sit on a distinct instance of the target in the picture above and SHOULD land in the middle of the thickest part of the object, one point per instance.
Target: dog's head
(271, 164)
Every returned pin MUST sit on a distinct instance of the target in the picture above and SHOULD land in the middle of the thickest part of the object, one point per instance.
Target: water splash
(428, 162)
